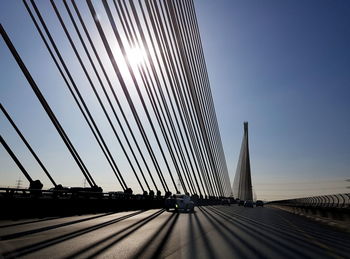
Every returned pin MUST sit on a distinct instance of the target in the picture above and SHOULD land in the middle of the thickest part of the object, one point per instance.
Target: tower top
(245, 126)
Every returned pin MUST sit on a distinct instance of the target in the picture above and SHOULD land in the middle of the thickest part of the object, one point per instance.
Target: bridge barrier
(24, 203)
(332, 209)
(340, 201)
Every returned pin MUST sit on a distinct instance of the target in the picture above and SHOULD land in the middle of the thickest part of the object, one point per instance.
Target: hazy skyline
(283, 67)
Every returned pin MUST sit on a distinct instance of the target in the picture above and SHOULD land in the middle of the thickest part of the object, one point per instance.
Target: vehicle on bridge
(233, 200)
(226, 202)
(249, 203)
(259, 203)
(179, 202)
(240, 202)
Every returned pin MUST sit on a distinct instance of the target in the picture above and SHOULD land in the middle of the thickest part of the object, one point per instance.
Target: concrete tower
(242, 184)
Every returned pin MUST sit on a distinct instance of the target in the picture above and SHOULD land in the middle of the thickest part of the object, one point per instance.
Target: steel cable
(7, 115)
(47, 109)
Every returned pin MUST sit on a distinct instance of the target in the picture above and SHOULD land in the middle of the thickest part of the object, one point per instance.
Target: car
(226, 202)
(232, 200)
(116, 195)
(179, 202)
(240, 202)
(249, 204)
(259, 203)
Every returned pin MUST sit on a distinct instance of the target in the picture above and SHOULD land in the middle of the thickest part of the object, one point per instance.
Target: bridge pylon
(242, 184)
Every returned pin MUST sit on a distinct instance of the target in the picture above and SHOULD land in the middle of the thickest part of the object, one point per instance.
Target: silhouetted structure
(242, 184)
(172, 111)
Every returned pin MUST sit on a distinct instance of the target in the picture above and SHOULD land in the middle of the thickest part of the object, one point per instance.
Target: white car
(179, 202)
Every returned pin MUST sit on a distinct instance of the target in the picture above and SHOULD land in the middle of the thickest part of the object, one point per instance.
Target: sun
(136, 55)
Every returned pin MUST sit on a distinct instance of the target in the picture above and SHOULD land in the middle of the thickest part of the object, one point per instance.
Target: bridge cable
(163, 97)
(95, 92)
(189, 53)
(131, 72)
(195, 136)
(126, 92)
(108, 99)
(195, 97)
(191, 112)
(27, 144)
(47, 108)
(207, 89)
(174, 76)
(133, 41)
(70, 89)
(199, 77)
(82, 107)
(113, 93)
(15, 159)
(209, 95)
(146, 82)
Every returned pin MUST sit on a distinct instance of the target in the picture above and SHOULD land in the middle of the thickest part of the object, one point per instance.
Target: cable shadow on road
(331, 245)
(154, 245)
(192, 242)
(28, 222)
(282, 242)
(207, 245)
(237, 249)
(326, 234)
(267, 236)
(281, 220)
(112, 239)
(44, 244)
(38, 230)
(292, 233)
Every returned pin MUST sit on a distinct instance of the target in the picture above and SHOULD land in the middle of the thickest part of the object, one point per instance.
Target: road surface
(210, 232)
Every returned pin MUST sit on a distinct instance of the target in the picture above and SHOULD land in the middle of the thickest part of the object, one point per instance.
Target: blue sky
(283, 66)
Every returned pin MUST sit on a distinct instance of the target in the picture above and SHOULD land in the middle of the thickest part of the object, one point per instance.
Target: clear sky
(283, 66)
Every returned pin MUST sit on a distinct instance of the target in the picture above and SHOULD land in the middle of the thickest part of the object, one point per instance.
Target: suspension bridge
(151, 116)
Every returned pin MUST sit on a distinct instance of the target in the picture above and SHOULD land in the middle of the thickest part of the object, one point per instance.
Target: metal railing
(341, 200)
(70, 193)
(86, 193)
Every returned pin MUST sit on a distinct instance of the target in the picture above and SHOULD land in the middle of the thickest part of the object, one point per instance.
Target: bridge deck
(215, 231)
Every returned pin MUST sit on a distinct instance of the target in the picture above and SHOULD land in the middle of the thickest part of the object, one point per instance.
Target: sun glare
(136, 56)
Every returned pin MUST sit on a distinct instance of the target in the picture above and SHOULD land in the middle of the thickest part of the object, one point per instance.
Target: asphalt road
(209, 232)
